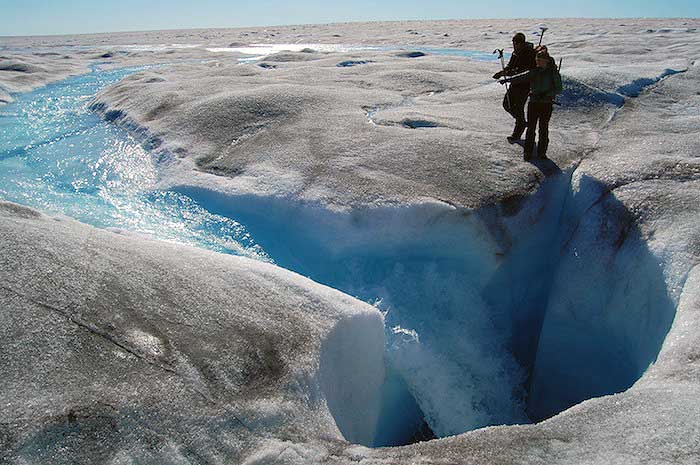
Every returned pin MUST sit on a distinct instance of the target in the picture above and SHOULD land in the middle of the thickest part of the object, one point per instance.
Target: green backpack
(556, 78)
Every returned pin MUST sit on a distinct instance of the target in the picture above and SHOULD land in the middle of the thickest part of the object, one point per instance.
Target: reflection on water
(58, 157)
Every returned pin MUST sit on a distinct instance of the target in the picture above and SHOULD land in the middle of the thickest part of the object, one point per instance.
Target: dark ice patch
(349, 63)
(113, 115)
(19, 211)
(412, 54)
(154, 79)
(21, 67)
(576, 94)
(420, 123)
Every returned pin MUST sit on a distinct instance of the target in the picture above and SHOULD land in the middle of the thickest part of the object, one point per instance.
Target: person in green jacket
(545, 84)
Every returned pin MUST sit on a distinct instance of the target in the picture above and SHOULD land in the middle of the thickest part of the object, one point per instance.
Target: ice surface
(608, 310)
(351, 380)
(268, 127)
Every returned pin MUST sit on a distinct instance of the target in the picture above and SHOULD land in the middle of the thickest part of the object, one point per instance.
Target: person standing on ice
(522, 59)
(545, 84)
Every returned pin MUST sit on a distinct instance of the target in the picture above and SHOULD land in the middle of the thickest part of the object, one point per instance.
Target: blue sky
(28, 17)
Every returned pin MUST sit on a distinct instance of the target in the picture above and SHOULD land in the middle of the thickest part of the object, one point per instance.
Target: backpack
(556, 77)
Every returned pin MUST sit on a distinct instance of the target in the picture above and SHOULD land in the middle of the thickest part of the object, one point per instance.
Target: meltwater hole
(419, 123)
(504, 315)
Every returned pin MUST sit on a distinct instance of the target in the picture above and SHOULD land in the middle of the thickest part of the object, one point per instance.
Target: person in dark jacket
(522, 59)
(545, 84)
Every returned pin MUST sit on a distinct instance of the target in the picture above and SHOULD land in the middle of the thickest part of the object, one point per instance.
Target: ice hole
(411, 54)
(350, 63)
(419, 123)
(503, 315)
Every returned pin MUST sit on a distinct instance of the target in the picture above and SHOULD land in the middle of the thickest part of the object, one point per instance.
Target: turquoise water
(474, 55)
(61, 158)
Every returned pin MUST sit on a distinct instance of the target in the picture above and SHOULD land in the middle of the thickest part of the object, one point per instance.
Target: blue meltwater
(59, 157)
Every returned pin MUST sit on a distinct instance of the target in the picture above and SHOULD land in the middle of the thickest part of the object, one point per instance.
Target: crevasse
(506, 314)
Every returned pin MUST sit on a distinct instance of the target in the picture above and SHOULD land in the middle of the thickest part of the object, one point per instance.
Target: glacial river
(59, 157)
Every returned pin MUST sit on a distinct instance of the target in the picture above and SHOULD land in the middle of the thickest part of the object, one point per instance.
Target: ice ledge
(173, 338)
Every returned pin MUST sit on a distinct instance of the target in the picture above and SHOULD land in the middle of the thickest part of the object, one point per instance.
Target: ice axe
(503, 67)
(542, 31)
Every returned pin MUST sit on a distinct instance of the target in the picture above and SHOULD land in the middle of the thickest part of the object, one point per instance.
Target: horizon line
(323, 23)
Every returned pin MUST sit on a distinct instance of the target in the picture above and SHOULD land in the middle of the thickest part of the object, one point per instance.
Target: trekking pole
(542, 31)
(558, 71)
(503, 67)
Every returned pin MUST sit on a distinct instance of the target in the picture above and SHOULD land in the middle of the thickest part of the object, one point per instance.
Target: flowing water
(61, 158)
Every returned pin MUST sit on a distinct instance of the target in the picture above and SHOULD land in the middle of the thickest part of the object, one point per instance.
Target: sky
(40, 17)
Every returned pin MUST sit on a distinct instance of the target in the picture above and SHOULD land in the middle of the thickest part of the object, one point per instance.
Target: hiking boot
(512, 139)
(518, 130)
(542, 150)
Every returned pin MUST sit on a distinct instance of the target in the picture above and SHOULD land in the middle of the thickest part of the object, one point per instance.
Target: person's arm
(522, 77)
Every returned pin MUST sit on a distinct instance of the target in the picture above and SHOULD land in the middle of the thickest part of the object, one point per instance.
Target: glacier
(523, 313)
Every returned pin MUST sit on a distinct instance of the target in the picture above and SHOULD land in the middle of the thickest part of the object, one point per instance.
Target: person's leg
(545, 115)
(532, 124)
(506, 103)
(518, 100)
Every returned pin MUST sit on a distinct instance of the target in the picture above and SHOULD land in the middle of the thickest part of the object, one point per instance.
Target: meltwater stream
(61, 158)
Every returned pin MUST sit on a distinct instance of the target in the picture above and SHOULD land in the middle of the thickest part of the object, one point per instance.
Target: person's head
(518, 41)
(542, 59)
